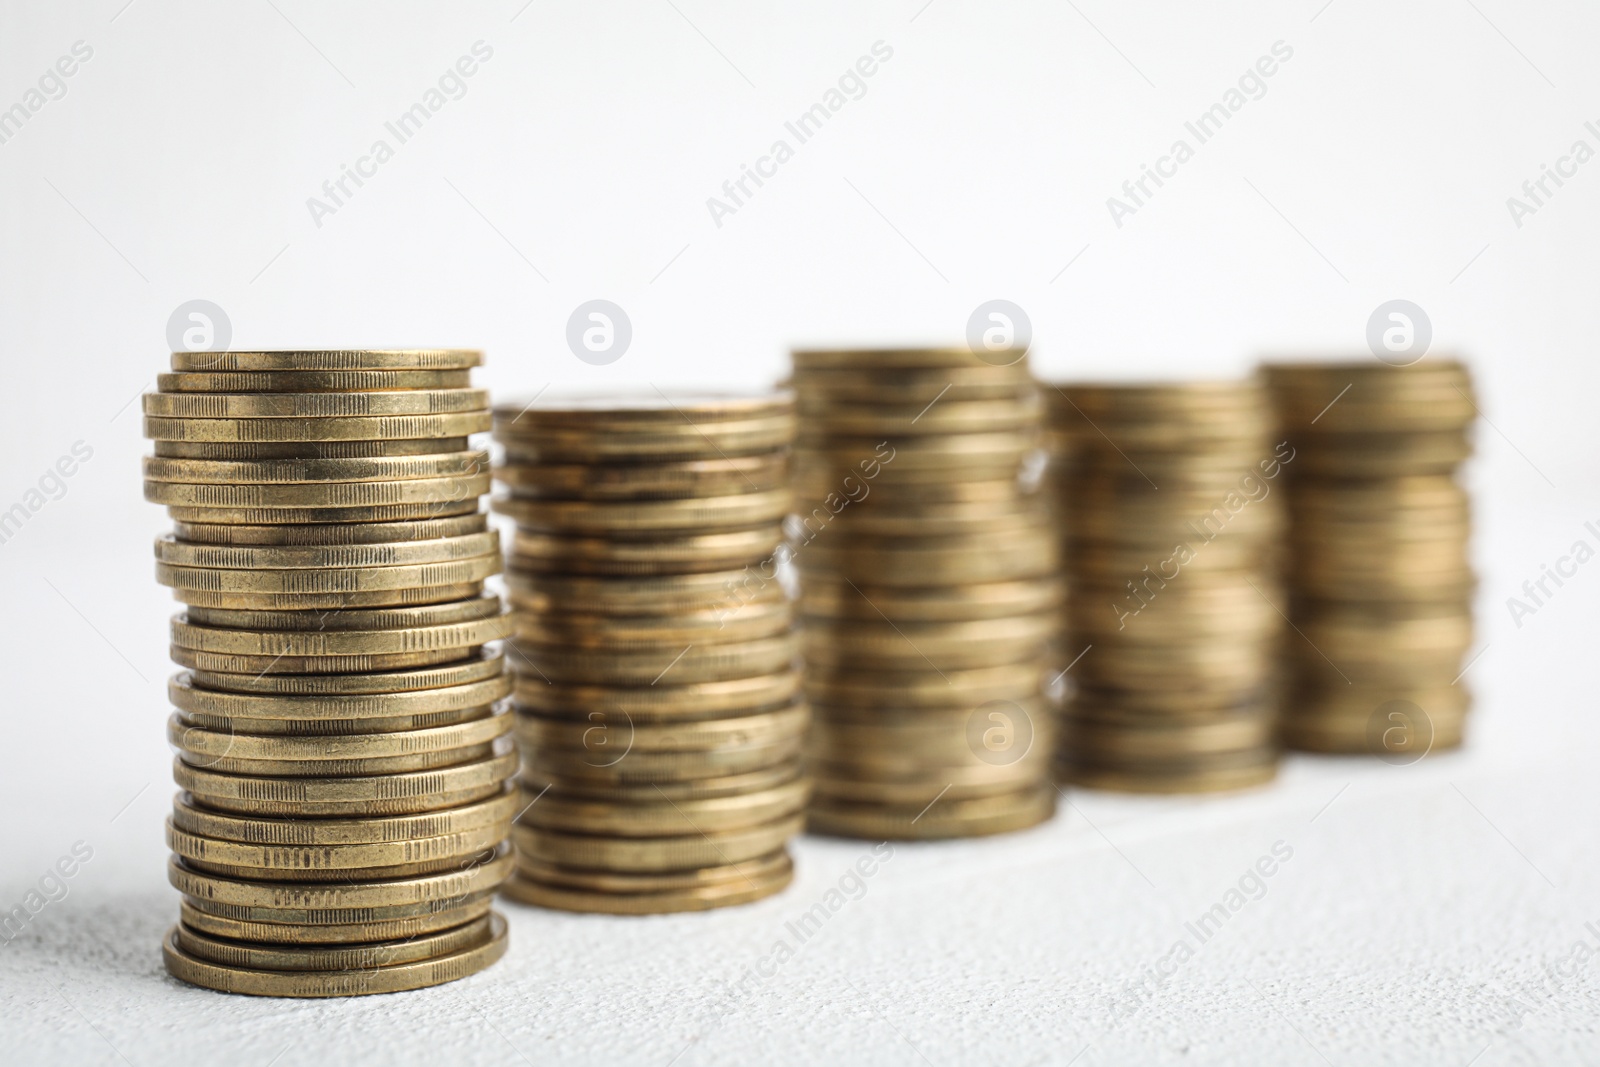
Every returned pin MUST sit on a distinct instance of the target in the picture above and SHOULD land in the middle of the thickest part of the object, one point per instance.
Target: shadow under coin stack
(1171, 514)
(342, 737)
(658, 693)
(1381, 582)
(929, 594)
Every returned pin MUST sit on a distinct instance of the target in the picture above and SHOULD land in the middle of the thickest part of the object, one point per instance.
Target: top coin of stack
(1168, 510)
(658, 696)
(342, 744)
(1381, 582)
(929, 592)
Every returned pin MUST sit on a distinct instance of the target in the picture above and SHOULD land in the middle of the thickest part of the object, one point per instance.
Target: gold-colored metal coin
(824, 600)
(440, 508)
(850, 786)
(541, 553)
(622, 412)
(498, 810)
(325, 862)
(627, 882)
(891, 361)
(331, 601)
(231, 663)
(637, 516)
(434, 891)
(398, 618)
(355, 428)
(624, 443)
(642, 481)
(667, 816)
(335, 983)
(318, 495)
(484, 664)
(387, 794)
(344, 359)
(623, 767)
(909, 387)
(527, 890)
(911, 645)
(328, 579)
(190, 699)
(294, 471)
(937, 417)
(294, 557)
(332, 957)
(692, 663)
(955, 457)
(279, 933)
(992, 557)
(672, 853)
(536, 782)
(1167, 780)
(310, 381)
(275, 451)
(729, 696)
(942, 819)
(921, 689)
(446, 636)
(374, 533)
(667, 594)
(314, 916)
(602, 733)
(622, 633)
(322, 405)
(203, 748)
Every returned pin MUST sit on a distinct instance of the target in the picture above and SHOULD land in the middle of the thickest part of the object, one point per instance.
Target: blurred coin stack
(657, 686)
(929, 593)
(1380, 580)
(1170, 504)
(342, 738)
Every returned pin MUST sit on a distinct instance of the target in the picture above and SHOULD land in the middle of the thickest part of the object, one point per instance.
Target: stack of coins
(1381, 582)
(657, 689)
(929, 593)
(343, 742)
(1170, 501)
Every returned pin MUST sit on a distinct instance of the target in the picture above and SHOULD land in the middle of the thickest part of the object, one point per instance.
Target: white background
(977, 165)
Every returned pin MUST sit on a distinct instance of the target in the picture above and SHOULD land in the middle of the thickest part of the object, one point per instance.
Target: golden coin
(324, 862)
(481, 607)
(849, 786)
(188, 697)
(352, 428)
(944, 818)
(440, 508)
(435, 891)
(473, 522)
(957, 457)
(318, 495)
(526, 890)
(621, 412)
(692, 663)
(331, 601)
(910, 386)
(310, 381)
(497, 810)
(621, 633)
(540, 553)
(901, 646)
(386, 794)
(322, 405)
(201, 747)
(481, 665)
(623, 442)
(890, 361)
(334, 983)
(332, 957)
(451, 636)
(328, 579)
(336, 916)
(666, 594)
(824, 600)
(672, 853)
(625, 882)
(345, 359)
(625, 767)
(639, 481)
(1197, 780)
(667, 816)
(603, 733)
(919, 689)
(227, 662)
(659, 702)
(290, 471)
(1155, 738)
(278, 933)
(636, 516)
(275, 451)
(535, 783)
(992, 557)
(936, 417)
(811, 519)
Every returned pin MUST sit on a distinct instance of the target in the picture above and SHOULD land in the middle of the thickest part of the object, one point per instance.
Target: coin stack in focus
(1169, 497)
(342, 737)
(1380, 578)
(929, 593)
(657, 685)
